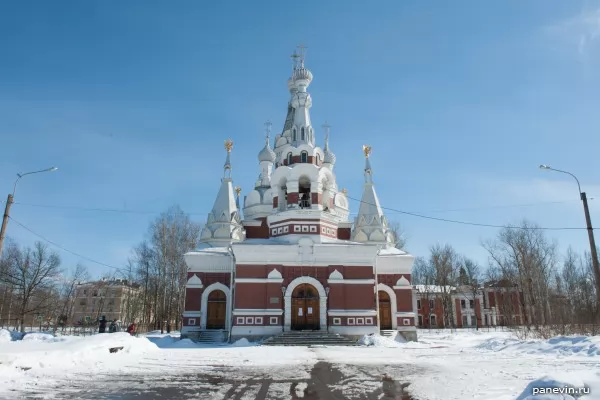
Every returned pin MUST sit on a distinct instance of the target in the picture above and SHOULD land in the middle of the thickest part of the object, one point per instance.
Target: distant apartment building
(115, 299)
(463, 307)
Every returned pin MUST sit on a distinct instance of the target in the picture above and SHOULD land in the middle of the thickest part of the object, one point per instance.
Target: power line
(125, 211)
(63, 248)
(411, 213)
(465, 222)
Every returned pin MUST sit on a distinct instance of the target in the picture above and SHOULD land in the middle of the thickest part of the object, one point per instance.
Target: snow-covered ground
(461, 365)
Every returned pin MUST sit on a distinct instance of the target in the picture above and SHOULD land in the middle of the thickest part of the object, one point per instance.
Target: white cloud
(581, 33)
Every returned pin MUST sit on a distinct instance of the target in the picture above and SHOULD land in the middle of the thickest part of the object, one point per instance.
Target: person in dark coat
(102, 325)
(113, 327)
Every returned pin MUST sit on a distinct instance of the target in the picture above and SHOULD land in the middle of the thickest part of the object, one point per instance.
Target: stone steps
(308, 338)
(209, 336)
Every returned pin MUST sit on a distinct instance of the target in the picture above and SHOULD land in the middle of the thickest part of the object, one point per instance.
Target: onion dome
(267, 154)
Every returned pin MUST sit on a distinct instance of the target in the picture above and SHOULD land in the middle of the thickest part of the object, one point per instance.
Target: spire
(227, 166)
(370, 225)
(238, 190)
(223, 224)
(368, 170)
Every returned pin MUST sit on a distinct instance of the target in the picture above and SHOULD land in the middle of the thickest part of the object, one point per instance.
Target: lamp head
(544, 166)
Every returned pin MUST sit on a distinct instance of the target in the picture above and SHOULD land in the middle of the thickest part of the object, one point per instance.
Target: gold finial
(366, 150)
(238, 190)
(228, 145)
(344, 191)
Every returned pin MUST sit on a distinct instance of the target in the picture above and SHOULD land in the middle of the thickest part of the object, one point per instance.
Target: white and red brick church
(294, 260)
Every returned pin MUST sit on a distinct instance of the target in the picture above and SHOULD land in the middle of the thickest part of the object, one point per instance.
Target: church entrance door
(385, 310)
(305, 308)
(216, 310)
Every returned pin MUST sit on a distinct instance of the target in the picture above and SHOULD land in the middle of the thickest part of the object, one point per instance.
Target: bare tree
(446, 263)
(68, 295)
(471, 277)
(32, 273)
(399, 234)
(161, 267)
(526, 258)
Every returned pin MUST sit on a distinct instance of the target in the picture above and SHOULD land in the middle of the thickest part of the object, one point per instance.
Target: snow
(560, 345)
(442, 365)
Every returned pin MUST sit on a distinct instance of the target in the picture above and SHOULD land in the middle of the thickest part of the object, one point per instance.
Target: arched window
(294, 135)
(289, 158)
(302, 133)
(304, 157)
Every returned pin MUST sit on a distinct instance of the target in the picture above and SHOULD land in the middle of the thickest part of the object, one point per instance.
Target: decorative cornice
(351, 313)
(258, 280)
(352, 281)
(249, 311)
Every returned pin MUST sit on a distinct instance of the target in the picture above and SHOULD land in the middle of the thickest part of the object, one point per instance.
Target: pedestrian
(131, 329)
(113, 326)
(102, 326)
(168, 327)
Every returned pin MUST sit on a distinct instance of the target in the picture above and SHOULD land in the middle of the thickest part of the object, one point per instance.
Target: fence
(75, 330)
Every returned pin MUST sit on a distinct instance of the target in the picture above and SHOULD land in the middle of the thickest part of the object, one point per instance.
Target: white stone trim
(394, 305)
(352, 281)
(258, 280)
(256, 330)
(249, 311)
(353, 313)
(322, 301)
(402, 287)
(403, 282)
(405, 314)
(204, 304)
(194, 282)
(275, 274)
(192, 314)
(335, 275)
(357, 330)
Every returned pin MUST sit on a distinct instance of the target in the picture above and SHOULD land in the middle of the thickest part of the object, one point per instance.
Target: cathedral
(290, 258)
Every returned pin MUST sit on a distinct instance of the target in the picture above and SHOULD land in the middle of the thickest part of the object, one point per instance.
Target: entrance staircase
(309, 338)
(209, 336)
(388, 333)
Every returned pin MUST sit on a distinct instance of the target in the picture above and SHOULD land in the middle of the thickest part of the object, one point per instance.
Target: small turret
(329, 157)
(370, 225)
(224, 224)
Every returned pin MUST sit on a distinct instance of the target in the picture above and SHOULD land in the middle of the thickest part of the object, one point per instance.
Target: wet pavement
(324, 381)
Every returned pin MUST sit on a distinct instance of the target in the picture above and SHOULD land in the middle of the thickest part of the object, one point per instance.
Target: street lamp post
(10, 200)
(590, 230)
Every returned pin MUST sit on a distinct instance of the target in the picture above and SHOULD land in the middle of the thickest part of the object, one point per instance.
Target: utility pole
(10, 201)
(590, 230)
(593, 250)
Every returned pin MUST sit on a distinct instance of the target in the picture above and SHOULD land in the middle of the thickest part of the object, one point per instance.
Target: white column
(287, 317)
(323, 312)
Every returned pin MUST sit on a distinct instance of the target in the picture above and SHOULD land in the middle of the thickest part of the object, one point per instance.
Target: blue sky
(461, 101)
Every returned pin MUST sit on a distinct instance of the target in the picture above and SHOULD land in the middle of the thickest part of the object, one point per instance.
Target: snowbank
(560, 345)
(568, 386)
(45, 352)
(9, 336)
(381, 341)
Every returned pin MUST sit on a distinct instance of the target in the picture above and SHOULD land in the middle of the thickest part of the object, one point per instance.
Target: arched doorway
(216, 310)
(385, 310)
(305, 308)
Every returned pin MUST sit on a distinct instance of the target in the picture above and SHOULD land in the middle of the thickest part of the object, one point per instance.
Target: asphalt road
(325, 382)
